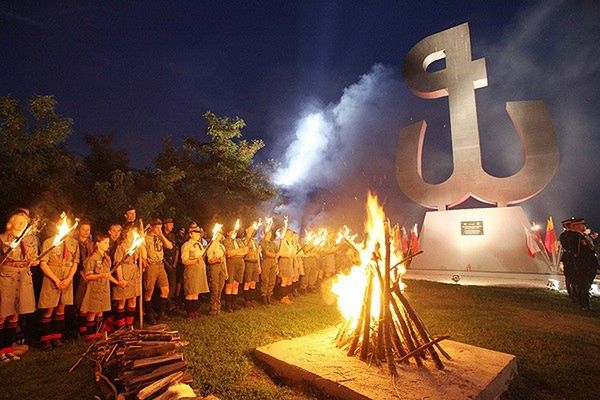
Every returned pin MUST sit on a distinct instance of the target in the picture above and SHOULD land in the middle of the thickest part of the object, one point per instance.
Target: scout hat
(194, 228)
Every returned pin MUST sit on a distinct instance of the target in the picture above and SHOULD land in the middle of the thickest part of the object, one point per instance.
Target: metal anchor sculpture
(458, 81)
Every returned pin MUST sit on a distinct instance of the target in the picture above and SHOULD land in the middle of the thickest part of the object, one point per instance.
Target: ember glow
(350, 288)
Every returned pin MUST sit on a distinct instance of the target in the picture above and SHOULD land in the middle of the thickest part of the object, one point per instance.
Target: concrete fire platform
(473, 372)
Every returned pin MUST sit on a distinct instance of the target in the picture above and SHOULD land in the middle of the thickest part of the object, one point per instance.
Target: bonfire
(380, 325)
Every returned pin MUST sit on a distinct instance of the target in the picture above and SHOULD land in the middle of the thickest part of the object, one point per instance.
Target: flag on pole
(404, 240)
(550, 239)
(532, 245)
(414, 240)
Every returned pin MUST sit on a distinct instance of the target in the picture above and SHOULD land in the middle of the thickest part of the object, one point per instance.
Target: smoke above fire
(335, 153)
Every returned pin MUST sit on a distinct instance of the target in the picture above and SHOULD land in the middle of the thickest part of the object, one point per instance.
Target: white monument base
(477, 240)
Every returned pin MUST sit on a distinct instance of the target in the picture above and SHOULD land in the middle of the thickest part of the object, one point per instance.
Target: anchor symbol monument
(458, 81)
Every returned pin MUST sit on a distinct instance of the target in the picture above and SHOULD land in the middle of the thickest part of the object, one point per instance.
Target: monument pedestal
(314, 360)
(489, 240)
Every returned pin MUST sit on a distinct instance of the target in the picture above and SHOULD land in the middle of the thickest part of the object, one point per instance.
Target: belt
(155, 262)
(16, 264)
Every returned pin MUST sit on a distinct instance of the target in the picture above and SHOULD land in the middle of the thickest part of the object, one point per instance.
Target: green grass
(557, 346)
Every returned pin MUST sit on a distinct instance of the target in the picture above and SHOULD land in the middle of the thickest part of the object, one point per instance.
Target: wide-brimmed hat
(193, 227)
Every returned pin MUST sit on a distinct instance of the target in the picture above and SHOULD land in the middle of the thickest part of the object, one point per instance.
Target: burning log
(387, 330)
(138, 364)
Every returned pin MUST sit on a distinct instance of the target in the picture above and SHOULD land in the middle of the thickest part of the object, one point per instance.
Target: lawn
(557, 346)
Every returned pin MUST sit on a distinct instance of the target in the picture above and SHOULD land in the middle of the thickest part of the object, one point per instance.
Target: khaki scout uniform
(328, 261)
(287, 252)
(60, 261)
(269, 268)
(252, 262)
(97, 293)
(16, 285)
(216, 274)
(155, 271)
(194, 275)
(311, 270)
(131, 272)
(235, 264)
(86, 249)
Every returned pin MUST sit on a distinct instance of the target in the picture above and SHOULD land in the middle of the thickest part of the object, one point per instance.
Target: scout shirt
(154, 249)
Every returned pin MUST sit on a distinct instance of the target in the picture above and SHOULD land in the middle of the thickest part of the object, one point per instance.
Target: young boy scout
(252, 268)
(194, 273)
(59, 267)
(16, 285)
(217, 272)
(236, 251)
(155, 270)
(269, 267)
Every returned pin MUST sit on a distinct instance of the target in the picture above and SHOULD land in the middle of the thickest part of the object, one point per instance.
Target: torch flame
(350, 288)
(268, 224)
(137, 242)
(257, 224)
(216, 230)
(63, 229)
(236, 228)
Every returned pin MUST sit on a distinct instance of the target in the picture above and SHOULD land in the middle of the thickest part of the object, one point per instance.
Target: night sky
(141, 70)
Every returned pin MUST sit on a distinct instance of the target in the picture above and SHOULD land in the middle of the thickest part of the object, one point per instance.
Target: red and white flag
(532, 244)
(414, 240)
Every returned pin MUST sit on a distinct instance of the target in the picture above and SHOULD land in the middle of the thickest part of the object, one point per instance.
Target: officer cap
(572, 220)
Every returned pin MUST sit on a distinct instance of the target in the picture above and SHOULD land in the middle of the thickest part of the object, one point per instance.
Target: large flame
(350, 288)
(63, 229)
(136, 242)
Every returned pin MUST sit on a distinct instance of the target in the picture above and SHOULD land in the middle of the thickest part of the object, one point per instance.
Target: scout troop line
(94, 284)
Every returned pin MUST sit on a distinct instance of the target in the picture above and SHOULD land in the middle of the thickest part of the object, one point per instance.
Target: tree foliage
(222, 179)
(36, 170)
(201, 179)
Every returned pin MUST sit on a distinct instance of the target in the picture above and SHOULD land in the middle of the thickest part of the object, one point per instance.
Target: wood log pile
(141, 364)
(397, 334)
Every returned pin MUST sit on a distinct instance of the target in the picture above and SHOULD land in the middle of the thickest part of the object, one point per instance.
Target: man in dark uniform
(171, 260)
(584, 261)
(567, 258)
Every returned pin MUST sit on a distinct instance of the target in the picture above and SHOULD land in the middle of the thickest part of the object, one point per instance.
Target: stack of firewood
(140, 364)
(396, 334)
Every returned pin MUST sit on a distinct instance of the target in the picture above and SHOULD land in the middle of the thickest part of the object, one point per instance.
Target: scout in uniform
(287, 252)
(194, 272)
(171, 260)
(59, 267)
(236, 251)
(16, 285)
(217, 272)
(252, 268)
(155, 270)
(129, 216)
(114, 234)
(86, 249)
(328, 259)
(128, 271)
(268, 266)
(96, 299)
(298, 265)
(311, 271)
